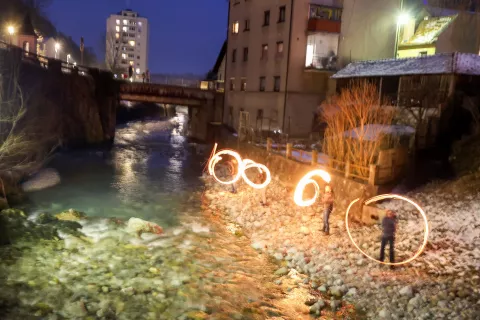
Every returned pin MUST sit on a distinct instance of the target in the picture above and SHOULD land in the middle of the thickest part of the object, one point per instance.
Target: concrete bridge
(205, 107)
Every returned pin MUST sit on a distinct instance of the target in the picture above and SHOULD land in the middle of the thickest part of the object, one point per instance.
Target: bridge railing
(43, 61)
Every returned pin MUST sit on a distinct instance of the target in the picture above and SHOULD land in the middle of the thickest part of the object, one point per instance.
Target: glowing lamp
(11, 30)
(403, 19)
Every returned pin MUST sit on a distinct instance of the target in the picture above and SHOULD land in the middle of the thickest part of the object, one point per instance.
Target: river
(197, 270)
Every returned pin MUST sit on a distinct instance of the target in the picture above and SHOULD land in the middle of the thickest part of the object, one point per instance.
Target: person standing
(389, 227)
(147, 75)
(261, 178)
(327, 201)
(130, 73)
(232, 168)
(143, 77)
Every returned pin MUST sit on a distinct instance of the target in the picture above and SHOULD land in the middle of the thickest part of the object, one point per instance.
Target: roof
(220, 57)
(429, 30)
(444, 63)
(27, 27)
(371, 132)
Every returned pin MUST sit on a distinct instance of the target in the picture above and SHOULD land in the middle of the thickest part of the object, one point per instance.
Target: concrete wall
(368, 30)
(289, 172)
(456, 37)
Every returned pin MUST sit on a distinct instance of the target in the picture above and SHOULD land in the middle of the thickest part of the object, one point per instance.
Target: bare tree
(113, 52)
(356, 123)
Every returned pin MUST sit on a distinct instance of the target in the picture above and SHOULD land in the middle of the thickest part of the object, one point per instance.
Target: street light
(11, 32)
(57, 48)
(402, 20)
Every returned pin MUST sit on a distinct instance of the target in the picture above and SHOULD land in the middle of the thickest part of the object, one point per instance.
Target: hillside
(14, 11)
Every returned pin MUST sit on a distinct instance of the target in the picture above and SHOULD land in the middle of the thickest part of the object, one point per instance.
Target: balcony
(321, 51)
(324, 19)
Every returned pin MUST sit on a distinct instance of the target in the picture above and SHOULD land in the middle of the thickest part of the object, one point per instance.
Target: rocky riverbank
(443, 283)
(70, 266)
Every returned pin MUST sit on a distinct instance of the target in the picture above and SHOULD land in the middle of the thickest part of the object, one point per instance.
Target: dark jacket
(389, 227)
(327, 201)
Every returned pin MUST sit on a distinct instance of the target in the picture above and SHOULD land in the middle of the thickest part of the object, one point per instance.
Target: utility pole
(82, 47)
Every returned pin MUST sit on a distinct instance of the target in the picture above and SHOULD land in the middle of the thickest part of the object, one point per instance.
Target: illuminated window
(118, 21)
(124, 55)
(264, 51)
(132, 43)
(280, 47)
(138, 70)
(125, 21)
(124, 29)
(243, 84)
(140, 23)
(131, 63)
(235, 27)
(117, 28)
(117, 35)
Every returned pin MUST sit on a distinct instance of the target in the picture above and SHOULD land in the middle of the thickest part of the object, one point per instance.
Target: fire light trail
(306, 180)
(383, 197)
(250, 164)
(243, 165)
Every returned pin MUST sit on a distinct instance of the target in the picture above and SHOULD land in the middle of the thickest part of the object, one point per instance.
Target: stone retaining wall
(289, 172)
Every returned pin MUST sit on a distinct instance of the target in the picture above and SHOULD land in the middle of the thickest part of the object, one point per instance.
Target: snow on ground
(443, 283)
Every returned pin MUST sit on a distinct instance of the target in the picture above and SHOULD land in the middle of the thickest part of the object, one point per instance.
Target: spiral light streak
(243, 165)
(250, 164)
(306, 180)
(216, 158)
(383, 197)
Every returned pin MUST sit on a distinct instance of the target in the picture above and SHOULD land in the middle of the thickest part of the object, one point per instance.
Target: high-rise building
(127, 39)
(279, 62)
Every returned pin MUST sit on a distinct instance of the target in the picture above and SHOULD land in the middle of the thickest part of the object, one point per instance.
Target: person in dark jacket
(389, 226)
(261, 177)
(232, 167)
(327, 201)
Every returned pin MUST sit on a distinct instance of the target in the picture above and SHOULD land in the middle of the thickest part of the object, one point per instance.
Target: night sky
(185, 35)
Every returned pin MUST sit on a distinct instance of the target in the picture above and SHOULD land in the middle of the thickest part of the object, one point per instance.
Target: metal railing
(325, 12)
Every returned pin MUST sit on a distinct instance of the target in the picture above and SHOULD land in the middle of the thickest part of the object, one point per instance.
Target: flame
(391, 196)
(306, 180)
(243, 165)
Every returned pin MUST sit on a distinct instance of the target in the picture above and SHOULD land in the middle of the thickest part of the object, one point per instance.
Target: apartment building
(280, 56)
(127, 43)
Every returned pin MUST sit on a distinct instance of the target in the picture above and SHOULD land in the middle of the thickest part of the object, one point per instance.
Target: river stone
(281, 272)
(406, 291)
(384, 314)
(71, 215)
(336, 291)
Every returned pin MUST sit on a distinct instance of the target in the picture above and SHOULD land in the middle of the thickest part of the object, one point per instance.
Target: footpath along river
(198, 269)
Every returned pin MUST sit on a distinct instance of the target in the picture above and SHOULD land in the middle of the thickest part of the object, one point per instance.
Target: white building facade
(127, 40)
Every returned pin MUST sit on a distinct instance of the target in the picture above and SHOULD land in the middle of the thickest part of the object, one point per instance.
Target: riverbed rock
(282, 272)
(139, 226)
(43, 179)
(71, 215)
(406, 291)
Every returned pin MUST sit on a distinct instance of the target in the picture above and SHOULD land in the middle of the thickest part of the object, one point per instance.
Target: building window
(247, 25)
(125, 21)
(281, 14)
(262, 84)
(266, 18)
(234, 55)
(245, 54)
(132, 43)
(243, 85)
(232, 84)
(276, 84)
(124, 29)
(124, 55)
(138, 57)
(118, 21)
(235, 27)
(259, 113)
(132, 63)
(264, 52)
(117, 28)
(117, 35)
(138, 70)
(279, 47)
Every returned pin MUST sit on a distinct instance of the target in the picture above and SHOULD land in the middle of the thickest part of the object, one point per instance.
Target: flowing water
(196, 270)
